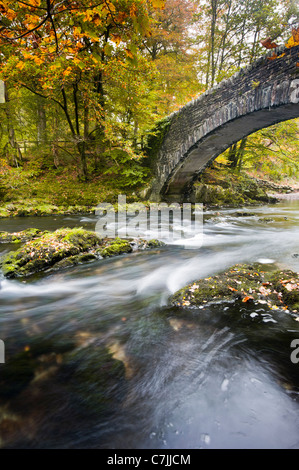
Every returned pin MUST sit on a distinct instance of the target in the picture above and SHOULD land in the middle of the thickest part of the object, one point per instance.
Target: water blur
(215, 377)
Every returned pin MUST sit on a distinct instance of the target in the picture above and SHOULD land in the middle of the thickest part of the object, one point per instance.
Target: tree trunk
(233, 156)
(41, 120)
(55, 138)
(82, 152)
(16, 151)
(241, 152)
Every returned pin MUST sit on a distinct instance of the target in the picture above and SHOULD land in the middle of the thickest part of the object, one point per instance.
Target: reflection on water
(95, 358)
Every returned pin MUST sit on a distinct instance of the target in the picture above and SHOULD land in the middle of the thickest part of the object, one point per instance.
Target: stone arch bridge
(187, 141)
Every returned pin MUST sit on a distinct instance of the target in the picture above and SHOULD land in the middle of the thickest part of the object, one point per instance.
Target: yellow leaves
(51, 49)
(77, 32)
(116, 38)
(97, 20)
(20, 65)
(158, 4)
(110, 6)
(10, 14)
(87, 15)
(6, 11)
(38, 60)
(26, 54)
(107, 8)
(67, 71)
(294, 39)
(129, 54)
(31, 21)
(133, 10)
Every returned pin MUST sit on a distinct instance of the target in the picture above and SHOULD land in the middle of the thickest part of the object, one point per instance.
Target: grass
(25, 191)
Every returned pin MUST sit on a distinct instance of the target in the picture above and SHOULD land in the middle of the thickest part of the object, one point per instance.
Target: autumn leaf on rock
(232, 289)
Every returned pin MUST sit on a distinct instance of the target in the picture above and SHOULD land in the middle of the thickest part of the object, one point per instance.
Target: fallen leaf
(269, 44)
(232, 289)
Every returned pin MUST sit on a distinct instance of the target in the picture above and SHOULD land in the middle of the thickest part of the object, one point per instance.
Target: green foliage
(127, 169)
(272, 152)
(155, 139)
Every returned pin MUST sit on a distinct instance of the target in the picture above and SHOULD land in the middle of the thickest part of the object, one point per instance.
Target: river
(216, 377)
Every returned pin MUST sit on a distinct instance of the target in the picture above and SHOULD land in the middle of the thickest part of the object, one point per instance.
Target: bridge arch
(263, 94)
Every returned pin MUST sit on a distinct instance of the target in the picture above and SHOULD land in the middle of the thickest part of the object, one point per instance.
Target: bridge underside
(178, 187)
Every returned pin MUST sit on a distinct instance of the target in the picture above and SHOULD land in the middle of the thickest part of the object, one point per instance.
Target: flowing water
(95, 358)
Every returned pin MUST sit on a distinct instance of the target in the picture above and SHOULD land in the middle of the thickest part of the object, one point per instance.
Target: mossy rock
(65, 248)
(247, 283)
(154, 244)
(74, 261)
(117, 247)
(23, 236)
(287, 283)
(44, 252)
(266, 219)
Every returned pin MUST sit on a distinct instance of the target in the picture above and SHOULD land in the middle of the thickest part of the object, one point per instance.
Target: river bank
(26, 194)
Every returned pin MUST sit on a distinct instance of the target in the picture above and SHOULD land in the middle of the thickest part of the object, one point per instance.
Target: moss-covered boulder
(115, 247)
(21, 237)
(46, 251)
(65, 248)
(245, 283)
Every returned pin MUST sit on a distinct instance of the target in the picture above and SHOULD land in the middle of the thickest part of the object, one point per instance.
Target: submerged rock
(95, 377)
(246, 283)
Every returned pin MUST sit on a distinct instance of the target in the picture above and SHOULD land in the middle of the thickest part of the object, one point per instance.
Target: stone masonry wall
(258, 96)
